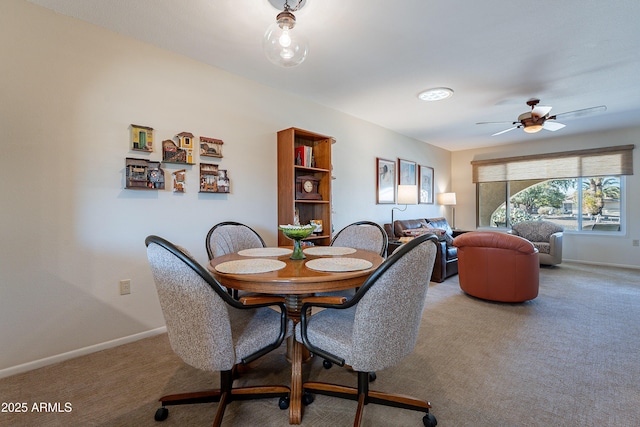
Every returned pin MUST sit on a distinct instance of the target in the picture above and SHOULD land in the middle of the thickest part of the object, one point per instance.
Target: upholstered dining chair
(210, 330)
(228, 237)
(365, 235)
(375, 329)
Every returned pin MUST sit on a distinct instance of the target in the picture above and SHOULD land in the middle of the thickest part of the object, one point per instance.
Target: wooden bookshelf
(288, 172)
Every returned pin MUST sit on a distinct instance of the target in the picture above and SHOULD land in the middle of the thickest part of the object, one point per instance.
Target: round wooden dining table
(295, 281)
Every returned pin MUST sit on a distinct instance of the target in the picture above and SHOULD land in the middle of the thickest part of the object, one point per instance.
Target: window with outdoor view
(581, 190)
(578, 204)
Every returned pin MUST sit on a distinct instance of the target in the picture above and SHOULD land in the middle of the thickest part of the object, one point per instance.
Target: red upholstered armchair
(497, 266)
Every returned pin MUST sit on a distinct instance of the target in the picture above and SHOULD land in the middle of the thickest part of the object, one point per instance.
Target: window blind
(606, 161)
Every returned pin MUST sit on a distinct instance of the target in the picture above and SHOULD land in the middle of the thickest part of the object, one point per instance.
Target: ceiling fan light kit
(538, 118)
(282, 45)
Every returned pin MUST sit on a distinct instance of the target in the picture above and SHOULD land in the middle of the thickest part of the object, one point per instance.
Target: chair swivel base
(364, 396)
(224, 395)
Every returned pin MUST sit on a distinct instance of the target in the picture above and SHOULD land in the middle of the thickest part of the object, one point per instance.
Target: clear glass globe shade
(283, 46)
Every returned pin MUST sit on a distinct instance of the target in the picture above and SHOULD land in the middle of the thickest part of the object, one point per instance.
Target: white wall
(69, 231)
(604, 249)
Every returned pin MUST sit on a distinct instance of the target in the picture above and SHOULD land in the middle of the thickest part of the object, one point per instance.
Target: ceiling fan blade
(540, 110)
(552, 125)
(583, 112)
(505, 131)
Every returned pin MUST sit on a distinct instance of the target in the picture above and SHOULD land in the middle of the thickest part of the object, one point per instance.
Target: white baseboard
(79, 352)
(604, 264)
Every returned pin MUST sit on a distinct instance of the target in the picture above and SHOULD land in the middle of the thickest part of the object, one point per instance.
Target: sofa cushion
(543, 248)
(414, 232)
(401, 225)
(440, 223)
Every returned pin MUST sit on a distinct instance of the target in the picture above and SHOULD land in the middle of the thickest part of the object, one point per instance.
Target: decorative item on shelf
(283, 46)
(179, 178)
(307, 188)
(304, 156)
(296, 217)
(426, 184)
(210, 147)
(449, 199)
(407, 195)
(318, 224)
(143, 174)
(141, 138)
(297, 233)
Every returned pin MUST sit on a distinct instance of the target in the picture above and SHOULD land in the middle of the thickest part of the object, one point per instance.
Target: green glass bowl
(297, 232)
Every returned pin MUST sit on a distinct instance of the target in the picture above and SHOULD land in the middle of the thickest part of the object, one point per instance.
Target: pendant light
(282, 45)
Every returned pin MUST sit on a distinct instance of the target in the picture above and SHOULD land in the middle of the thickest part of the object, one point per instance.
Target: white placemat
(250, 266)
(338, 264)
(265, 252)
(328, 250)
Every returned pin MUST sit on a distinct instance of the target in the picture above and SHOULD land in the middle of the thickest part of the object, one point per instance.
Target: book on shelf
(304, 156)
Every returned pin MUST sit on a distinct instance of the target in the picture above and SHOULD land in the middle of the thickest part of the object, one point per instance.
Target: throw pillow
(414, 232)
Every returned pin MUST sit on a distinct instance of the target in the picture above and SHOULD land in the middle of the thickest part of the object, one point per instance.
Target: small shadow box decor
(180, 152)
(212, 179)
(210, 147)
(179, 179)
(141, 138)
(143, 174)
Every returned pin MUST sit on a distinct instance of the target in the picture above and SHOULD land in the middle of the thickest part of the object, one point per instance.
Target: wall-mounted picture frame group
(426, 184)
(407, 172)
(385, 181)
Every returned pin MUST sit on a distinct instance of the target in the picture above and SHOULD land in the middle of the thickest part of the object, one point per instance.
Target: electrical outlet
(635, 242)
(125, 287)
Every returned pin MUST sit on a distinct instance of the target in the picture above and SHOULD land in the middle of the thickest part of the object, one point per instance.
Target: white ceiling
(370, 58)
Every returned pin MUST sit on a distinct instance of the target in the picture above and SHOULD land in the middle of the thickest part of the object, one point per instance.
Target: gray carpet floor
(571, 357)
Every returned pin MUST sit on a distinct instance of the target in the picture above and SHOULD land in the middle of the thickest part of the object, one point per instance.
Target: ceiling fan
(538, 118)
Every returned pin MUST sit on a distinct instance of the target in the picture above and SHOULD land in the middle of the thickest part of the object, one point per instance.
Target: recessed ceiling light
(435, 94)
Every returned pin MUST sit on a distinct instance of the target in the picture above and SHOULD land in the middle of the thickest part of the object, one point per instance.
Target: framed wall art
(385, 181)
(406, 172)
(426, 184)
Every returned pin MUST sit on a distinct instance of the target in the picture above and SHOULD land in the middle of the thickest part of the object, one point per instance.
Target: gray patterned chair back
(387, 318)
(364, 235)
(197, 318)
(378, 326)
(228, 237)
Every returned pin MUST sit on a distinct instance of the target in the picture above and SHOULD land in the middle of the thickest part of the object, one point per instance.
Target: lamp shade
(447, 199)
(407, 195)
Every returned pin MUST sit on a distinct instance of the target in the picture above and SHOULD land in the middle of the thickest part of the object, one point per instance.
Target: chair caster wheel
(161, 414)
(429, 421)
(372, 376)
(283, 403)
(307, 399)
(327, 364)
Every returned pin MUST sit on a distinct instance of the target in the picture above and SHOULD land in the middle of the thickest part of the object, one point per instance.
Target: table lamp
(449, 199)
(407, 195)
